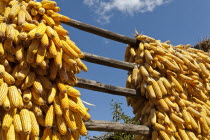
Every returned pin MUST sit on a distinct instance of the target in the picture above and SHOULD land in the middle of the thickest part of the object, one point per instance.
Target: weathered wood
(107, 126)
(102, 32)
(97, 86)
(108, 61)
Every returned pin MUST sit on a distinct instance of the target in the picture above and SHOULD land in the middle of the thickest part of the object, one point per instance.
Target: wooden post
(102, 32)
(97, 86)
(108, 61)
(107, 126)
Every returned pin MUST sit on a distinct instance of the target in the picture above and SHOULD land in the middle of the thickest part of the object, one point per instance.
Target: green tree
(118, 115)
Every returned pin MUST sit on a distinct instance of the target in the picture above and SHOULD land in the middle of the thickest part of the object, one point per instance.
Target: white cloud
(104, 8)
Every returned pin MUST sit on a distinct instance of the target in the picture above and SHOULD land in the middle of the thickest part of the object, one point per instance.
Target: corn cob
(26, 121)
(10, 134)
(61, 124)
(49, 117)
(6, 104)
(70, 120)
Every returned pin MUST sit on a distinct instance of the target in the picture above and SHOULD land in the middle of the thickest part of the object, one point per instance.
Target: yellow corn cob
(69, 59)
(151, 92)
(191, 135)
(164, 135)
(81, 65)
(57, 106)
(177, 84)
(10, 134)
(204, 126)
(10, 32)
(50, 32)
(26, 121)
(1, 49)
(61, 31)
(52, 49)
(29, 81)
(3, 91)
(156, 89)
(158, 127)
(3, 27)
(80, 124)
(49, 117)
(45, 40)
(41, 54)
(41, 28)
(6, 12)
(72, 91)
(19, 52)
(68, 50)
(64, 101)
(183, 134)
(31, 34)
(17, 123)
(193, 112)
(21, 17)
(28, 26)
(148, 56)
(14, 10)
(82, 108)
(34, 124)
(70, 120)
(52, 94)
(59, 17)
(7, 119)
(176, 118)
(38, 86)
(6, 104)
(73, 46)
(58, 58)
(61, 124)
(163, 104)
(49, 4)
(13, 96)
(193, 122)
(204, 70)
(48, 20)
(37, 97)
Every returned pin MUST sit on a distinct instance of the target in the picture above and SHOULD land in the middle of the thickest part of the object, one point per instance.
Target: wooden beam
(102, 32)
(97, 86)
(108, 61)
(107, 126)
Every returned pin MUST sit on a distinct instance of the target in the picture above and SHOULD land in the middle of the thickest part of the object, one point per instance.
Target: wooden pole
(97, 86)
(108, 61)
(102, 32)
(107, 126)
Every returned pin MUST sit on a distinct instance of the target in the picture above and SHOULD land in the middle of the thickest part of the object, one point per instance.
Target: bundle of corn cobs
(38, 63)
(174, 82)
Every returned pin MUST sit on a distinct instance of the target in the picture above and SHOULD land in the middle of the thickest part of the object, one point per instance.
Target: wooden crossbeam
(108, 61)
(107, 126)
(97, 86)
(102, 32)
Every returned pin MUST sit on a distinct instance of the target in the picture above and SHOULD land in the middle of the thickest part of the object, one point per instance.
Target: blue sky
(180, 21)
